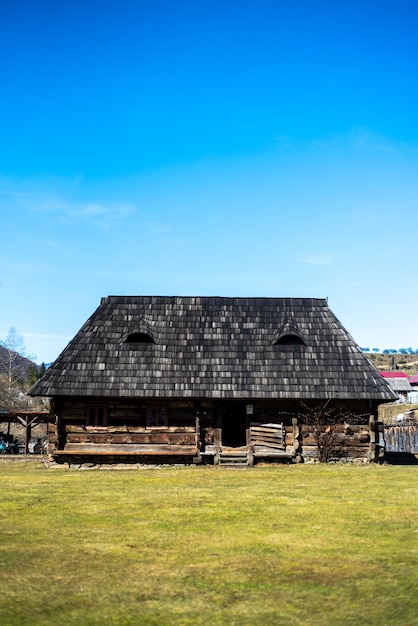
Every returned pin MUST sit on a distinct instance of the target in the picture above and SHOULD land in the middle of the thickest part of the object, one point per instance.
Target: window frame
(152, 424)
(95, 423)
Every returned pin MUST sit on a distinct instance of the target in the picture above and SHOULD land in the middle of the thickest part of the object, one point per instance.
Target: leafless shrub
(329, 427)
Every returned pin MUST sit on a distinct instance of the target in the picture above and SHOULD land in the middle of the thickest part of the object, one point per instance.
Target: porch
(264, 441)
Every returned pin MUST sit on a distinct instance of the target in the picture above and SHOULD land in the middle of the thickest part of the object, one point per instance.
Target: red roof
(414, 379)
(394, 375)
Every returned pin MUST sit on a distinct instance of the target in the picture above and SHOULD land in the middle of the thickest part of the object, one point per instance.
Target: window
(289, 340)
(289, 335)
(138, 337)
(96, 416)
(156, 416)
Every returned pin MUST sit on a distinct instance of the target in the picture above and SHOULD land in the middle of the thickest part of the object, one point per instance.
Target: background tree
(14, 365)
(14, 359)
(34, 373)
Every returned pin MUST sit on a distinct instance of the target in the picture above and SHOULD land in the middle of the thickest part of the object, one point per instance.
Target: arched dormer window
(289, 340)
(289, 335)
(139, 337)
(139, 334)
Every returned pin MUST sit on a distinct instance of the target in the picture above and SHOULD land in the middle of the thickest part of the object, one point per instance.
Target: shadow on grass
(401, 458)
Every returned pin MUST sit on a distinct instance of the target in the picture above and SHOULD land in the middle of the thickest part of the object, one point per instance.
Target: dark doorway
(234, 425)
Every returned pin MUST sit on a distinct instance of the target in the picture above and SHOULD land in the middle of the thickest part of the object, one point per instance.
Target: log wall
(125, 433)
(351, 442)
(194, 428)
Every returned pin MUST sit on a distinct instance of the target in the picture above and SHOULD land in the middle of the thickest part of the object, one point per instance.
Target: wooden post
(381, 448)
(217, 444)
(27, 433)
(377, 440)
(372, 447)
(26, 421)
(250, 455)
(297, 439)
(27, 424)
(198, 441)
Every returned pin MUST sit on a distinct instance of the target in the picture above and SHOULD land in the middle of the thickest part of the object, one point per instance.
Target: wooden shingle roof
(398, 381)
(213, 347)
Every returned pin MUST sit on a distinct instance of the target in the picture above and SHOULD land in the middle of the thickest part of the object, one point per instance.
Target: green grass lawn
(304, 544)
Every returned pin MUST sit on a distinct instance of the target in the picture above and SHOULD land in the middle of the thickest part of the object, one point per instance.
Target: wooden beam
(126, 449)
(108, 453)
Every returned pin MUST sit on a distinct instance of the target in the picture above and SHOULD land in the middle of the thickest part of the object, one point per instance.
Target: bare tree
(13, 359)
(327, 426)
(14, 365)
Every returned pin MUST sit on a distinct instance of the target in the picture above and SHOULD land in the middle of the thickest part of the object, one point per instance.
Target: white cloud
(98, 214)
(41, 198)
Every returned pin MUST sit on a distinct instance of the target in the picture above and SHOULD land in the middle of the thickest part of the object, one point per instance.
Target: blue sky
(207, 148)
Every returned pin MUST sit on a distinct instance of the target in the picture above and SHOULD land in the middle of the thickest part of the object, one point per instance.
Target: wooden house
(398, 381)
(206, 379)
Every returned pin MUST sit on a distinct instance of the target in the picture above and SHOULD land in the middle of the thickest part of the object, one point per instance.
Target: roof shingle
(213, 347)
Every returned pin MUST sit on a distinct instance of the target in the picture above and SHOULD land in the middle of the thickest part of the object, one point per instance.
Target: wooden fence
(267, 438)
(401, 438)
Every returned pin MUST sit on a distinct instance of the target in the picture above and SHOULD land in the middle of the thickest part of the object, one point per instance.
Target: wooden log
(132, 438)
(82, 428)
(296, 436)
(125, 449)
(261, 451)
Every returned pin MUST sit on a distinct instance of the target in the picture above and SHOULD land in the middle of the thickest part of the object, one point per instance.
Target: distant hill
(21, 364)
(407, 363)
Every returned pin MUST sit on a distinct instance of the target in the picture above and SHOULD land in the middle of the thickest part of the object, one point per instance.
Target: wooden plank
(269, 444)
(111, 449)
(81, 428)
(151, 448)
(105, 453)
(266, 433)
(260, 451)
(265, 429)
(275, 431)
(401, 439)
(132, 438)
(272, 437)
(267, 424)
(266, 436)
